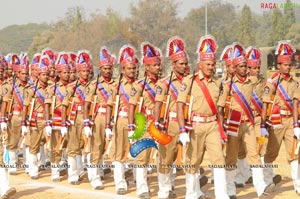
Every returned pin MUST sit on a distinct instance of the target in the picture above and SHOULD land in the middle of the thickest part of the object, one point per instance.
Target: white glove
(24, 130)
(108, 133)
(264, 132)
(3, 126)
(297, 132)
(87, 131)
(184, 138)
(48, 131)
(63, 131)
(130, 133)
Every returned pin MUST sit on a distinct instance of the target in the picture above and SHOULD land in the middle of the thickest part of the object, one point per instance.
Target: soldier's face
(129, 70)
(51, 69)
(106, 71)
(180, 66)
(207, 67)
(231, 69)
(254, 70)
(23, 75)
(84, 74)
(241, 70)
(64, 75)
(284, 68)
(43, 77)
(72, 75)
(153, 69)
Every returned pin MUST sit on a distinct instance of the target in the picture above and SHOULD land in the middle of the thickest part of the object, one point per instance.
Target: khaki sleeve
(223, 95)
(67, 97)
(6, 91)
(48, 95)
(135, 93)
(269, 90)
(160, 91)
(28, 95)
(184, 89)
(112, 94)
(90, 92)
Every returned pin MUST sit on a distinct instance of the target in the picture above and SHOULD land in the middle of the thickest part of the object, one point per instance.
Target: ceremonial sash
(30, 82)
(212, 105)
(148, 90)
(239, 97)
(173, 90)
(284, 95)
(58, 93)
(40, 97)
(80, 95)
(124, 97)
(18, 96)
(256, 102)
(233, 123)
(103, 92)
(56, 119)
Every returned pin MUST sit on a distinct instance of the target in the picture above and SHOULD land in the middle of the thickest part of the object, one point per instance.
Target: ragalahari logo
(274, 5)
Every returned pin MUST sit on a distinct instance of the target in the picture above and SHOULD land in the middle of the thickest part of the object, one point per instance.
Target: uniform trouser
(14, 134)
(36, 137)
(75, 142)
(205, 137)
(246, 134)
(276, 136)
(167, 156)
(118, 152)
(55, 156)
(97, 149)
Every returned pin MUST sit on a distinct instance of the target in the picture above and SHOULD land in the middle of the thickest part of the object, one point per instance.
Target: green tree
(245, 33)
(294, 35)
(277, 32)
(289, 15)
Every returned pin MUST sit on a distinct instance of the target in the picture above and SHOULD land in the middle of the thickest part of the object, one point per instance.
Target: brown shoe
(203, 181)
(10, 192)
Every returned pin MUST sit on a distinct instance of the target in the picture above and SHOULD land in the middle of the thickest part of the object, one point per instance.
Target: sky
(38, 11)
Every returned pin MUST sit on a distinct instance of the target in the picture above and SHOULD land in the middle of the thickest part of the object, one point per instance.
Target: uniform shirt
(162, 89)
(125, 86)
(148, 93)
(39, 95)
(7, 89)
(246, 88)
(259, 84)
(103, 90)
(77, 91)
(60, 93)
(290, 86)
(200, 104)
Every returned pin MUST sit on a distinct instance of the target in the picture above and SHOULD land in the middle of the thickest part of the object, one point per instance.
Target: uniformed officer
(279, 92)
(76, 93)
(120, 138)
(144, 88)
(101, 87)
(55, 94)
(36, 95)
(73, 72)
(13, 94)
(204, 88)
(51, 67)
(240, 125)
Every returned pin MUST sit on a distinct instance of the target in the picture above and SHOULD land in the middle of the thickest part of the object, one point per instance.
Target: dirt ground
(44, 188)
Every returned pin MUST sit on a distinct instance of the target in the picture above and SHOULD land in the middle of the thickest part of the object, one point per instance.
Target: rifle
(30, 110)
(166, 102)
(10, 101)
(115, 111)
(272, 103)
(189, 104)
(87, 141)
(71, 101)
(53, 104)
(141, 98)
(228, 100)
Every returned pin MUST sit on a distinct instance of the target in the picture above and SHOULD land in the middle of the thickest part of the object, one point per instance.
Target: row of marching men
(200, 111)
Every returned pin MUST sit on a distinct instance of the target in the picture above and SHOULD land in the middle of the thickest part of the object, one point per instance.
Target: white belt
(40, 115)
(79, 108)
(149, 112)
(204, 118)
(16, 113)
(285, 112)
(123, 114)
(101, 110)
(172, 114)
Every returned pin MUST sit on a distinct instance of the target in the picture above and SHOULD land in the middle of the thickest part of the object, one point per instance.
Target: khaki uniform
(14, 126)
(245, 136)
(75, 133)
(148, 93)
(120, 138)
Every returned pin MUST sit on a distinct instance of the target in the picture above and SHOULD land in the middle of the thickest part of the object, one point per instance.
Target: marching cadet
(55, 94)
(33, 68)
(170, 86)
(144, 88)
(74, 101)
(95, 106)
(51, 67)
(12, 107)
(240, 125)
(9, 65)
(206, 126)
(73, 72)
(34, 103)
(5, 190)
(120, 137)
(278, 94)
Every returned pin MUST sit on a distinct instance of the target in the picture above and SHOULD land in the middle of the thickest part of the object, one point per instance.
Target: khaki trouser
(98, 139)
(75, 139)
(37, 137)
(14, 132)
(276, 136)
(205, 136)
(246, 135)
(55, 156)
(120, 140)
(168, 153)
